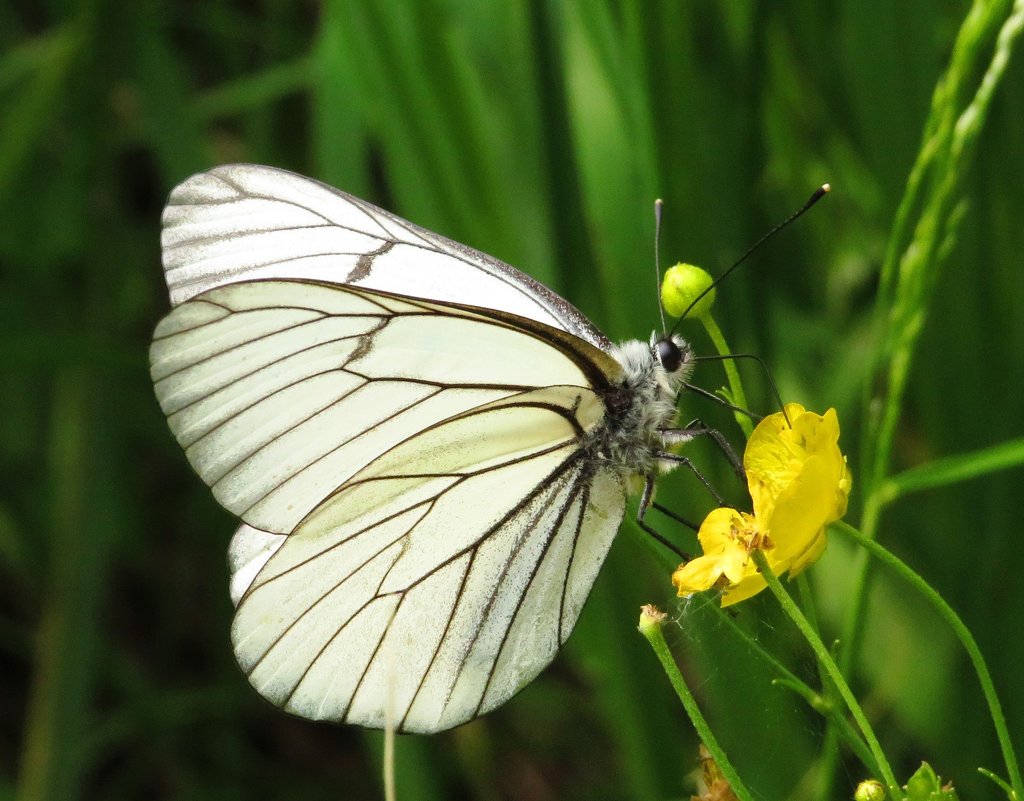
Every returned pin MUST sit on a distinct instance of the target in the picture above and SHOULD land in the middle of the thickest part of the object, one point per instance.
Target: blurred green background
(539, 131)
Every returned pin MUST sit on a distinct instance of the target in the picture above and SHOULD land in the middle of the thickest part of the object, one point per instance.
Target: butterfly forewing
(291, 387)
(240, 222)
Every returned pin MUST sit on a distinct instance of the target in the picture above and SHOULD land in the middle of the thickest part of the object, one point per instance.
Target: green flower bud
(683, 283)
(869, 790)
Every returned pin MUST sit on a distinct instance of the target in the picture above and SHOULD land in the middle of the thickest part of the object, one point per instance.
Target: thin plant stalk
(737, 396)
(916, 249)
(832, 669)
(651, 629)
(963, 634)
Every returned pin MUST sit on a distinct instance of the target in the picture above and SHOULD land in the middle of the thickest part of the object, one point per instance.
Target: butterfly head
(673, 354)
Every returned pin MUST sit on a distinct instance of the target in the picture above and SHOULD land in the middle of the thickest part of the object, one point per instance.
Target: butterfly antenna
(818, 194)
(764, 369)
(658, 206)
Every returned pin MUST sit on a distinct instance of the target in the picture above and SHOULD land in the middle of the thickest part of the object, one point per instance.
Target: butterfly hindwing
(441, 578)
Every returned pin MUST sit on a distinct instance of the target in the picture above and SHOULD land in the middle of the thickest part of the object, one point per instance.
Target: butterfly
(429, 451)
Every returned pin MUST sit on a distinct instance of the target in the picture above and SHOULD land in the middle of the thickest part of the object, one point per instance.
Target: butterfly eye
(669, 354)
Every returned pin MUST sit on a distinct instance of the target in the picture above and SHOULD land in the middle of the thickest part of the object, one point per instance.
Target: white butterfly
(428, 449)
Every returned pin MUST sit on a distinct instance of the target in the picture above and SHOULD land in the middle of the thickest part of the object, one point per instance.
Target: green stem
(1000, 782)
(651, 629)
(965, 637)
(840, 725)
(828, 692)
(807, 602)
(821, 703)
(255, 90)
(737, 395)
(60, 701)
(826, 660)
(725, 620)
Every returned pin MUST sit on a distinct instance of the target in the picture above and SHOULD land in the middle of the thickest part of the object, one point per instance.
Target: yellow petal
(724, 536)
(811, 555)
(798, 481)
(750, 586)
(696, 575)
(772, 458)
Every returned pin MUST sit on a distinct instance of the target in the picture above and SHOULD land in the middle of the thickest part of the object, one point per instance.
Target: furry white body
(643, 408)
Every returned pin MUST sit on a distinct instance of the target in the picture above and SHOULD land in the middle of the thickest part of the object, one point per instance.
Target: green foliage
(540, 132)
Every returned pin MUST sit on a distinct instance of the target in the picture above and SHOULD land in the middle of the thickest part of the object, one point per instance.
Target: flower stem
(824, 707)
(832, 669)
(652, 631)
(965, 637)
(1000, 782)
(737, 395)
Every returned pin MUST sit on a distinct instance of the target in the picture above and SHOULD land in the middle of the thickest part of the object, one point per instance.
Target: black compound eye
(669, 354)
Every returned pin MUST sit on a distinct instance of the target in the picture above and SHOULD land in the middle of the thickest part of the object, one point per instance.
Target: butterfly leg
(698, 428)
(646, 502)
(677, 517)
(675, 458)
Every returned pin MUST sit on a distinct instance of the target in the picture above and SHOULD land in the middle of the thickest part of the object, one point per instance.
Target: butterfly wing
(279, 391)
(239, 222)
(440, 579)
(422, 519)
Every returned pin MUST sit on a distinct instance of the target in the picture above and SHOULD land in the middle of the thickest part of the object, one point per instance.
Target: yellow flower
(798, 482)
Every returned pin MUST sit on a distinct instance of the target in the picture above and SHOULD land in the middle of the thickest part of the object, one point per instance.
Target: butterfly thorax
(642, 403)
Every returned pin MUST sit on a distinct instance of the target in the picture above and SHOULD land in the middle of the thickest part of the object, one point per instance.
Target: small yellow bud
(869, 790)
(682, 284)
